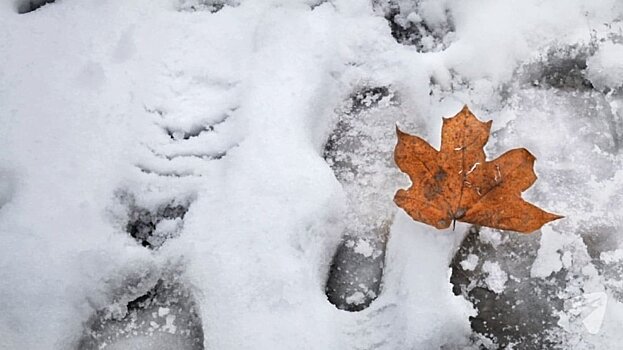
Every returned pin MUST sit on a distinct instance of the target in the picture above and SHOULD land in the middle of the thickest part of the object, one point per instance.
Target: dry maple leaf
(457, 183)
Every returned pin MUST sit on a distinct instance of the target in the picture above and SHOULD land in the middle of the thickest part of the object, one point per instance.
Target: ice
(596, 305)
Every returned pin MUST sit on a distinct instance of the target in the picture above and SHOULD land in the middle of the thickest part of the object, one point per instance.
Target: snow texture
(183, 174)
(496, 277)
(470, 262)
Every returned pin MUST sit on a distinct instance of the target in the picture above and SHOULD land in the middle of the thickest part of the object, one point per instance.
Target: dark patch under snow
(524, 312)
(356, 273)
(151, 228)
(165, 317)
(560, 67)
(408, 27)
(31, 5)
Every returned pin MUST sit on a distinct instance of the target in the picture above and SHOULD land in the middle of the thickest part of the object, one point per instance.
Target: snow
(203, 124)
(548, 260)
(496, 277)
(605, 69)
(612, 256)
(595, 318)
(491, 237)
(163, 311)
(356, 298)
(470, 263)
(364, 248)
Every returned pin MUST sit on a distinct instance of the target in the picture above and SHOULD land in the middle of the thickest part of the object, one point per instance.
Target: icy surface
(183, 143)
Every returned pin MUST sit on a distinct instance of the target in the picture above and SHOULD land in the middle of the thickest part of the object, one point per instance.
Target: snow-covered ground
(179, 174)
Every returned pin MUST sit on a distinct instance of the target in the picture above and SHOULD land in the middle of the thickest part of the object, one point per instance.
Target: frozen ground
(204, 174)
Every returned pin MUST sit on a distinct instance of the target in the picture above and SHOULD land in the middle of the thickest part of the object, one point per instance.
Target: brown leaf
(457, 183)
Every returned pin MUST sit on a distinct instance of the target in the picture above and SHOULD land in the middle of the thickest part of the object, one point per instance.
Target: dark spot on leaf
(440, 175)
(432, 191)
(459, 213)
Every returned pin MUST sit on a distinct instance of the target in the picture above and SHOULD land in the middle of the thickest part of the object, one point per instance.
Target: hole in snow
(356, 273)
(370, 97)
(31, 5)
(428, 27)
(560, 67)
(165, 317)
(152, 227)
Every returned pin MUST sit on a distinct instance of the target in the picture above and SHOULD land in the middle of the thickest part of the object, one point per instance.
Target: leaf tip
(545, 219)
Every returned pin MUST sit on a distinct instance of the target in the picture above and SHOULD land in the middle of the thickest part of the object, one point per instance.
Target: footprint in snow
(495, 270)
(193, 130)
(163, 317)
(360, 153)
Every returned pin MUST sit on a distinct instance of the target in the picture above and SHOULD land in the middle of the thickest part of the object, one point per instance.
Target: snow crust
(163, 101)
